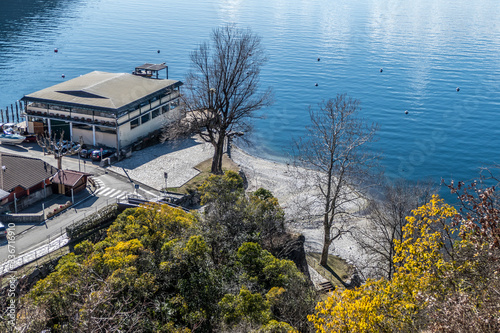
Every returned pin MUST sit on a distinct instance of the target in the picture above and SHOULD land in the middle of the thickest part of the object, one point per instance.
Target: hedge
(93, 221)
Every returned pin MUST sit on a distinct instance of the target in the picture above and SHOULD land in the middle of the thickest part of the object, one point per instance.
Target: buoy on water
(56, 50)
(458, 88)
(316, 84)
(381, 70)
(63, 76)
(406, 112)
(319, 59)
(158, 51)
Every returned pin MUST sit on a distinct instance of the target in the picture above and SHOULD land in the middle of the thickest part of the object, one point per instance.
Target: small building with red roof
(66, 180)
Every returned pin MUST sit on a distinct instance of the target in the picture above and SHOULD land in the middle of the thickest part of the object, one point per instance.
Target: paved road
(111, 187)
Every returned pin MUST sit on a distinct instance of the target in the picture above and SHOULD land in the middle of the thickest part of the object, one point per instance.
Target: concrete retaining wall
(21, 218)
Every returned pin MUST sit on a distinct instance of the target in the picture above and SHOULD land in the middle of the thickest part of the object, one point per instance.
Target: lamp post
(165, 176)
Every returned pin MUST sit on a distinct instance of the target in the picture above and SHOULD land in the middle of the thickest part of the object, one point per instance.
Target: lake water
(426, 48)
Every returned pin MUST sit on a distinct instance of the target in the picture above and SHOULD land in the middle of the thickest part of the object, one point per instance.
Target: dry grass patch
(204, 169)
(339, 270)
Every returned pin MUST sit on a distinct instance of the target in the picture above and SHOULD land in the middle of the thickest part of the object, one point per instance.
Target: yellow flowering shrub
(394, 305)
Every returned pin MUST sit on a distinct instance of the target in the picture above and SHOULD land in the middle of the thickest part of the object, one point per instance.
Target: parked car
(70, 145)
(86, 153)
(3, 230)
(96, 154)
(30, 138)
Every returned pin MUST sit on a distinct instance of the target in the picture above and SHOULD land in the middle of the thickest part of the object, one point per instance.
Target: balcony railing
(60, 115)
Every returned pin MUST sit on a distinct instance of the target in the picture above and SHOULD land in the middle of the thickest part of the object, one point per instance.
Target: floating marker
(63, 76)
(406, 112)
(158, 51)
(319, 59)
(381, 70)
(316, 84)
(458, 88)
(56, 50)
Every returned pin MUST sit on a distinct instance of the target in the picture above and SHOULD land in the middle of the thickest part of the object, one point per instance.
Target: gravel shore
(281, 179)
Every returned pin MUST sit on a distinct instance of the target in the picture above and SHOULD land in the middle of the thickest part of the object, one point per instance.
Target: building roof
(102, 90)
(3, 194)
(68, 177)
(152, 67)
(17, 170)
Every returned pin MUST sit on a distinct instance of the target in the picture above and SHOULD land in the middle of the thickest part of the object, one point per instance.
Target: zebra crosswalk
(111, 193)
(104, 191)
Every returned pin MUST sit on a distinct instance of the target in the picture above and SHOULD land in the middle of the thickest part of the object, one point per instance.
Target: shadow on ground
(146, 155)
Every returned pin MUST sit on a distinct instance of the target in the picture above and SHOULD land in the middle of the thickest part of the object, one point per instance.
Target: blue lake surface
(426, 48)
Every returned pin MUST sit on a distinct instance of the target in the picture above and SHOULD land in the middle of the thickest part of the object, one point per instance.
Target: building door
(59, 127)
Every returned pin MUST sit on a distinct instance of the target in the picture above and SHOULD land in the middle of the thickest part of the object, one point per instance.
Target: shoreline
(280, 179)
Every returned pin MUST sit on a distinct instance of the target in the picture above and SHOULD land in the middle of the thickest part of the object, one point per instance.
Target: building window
(134, 123)
(145, 118)
(174, 103)
(105, 130)
(164, 109)
(82, 126)
(104, 114)
(82, 111)
(155, 113)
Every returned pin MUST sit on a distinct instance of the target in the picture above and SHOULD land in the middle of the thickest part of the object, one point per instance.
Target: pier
(12, 113)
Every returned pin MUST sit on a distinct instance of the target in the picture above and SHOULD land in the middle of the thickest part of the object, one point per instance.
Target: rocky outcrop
(289, 246)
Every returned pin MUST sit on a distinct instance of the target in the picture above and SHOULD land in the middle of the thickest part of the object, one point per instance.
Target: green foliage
(221, 188)
(276, 327)
(155, 272)
(263, 268)
(263, 194)
(245, 306)
(231, 218)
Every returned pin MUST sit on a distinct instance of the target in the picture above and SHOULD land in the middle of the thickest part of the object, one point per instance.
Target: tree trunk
(326, 245)
(59, 161)
(217, 159)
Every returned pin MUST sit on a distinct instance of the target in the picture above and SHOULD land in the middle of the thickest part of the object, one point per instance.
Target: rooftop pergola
(150, 70)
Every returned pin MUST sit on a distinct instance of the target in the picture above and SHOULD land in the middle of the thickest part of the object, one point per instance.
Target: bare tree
(387, 219)
(222, 90)
(58, 146)
(335, 149)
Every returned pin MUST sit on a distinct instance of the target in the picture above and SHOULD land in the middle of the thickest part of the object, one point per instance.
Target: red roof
(68, 177)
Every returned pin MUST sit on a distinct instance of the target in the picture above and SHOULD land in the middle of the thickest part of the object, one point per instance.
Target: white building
(106, 109)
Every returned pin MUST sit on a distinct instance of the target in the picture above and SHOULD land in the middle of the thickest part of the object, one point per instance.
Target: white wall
(129, 136)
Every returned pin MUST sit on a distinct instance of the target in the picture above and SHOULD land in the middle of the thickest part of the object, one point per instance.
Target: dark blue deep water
(427, 48)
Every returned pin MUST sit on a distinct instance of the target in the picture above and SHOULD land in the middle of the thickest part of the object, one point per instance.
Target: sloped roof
(4, 194)
(68, 177)
(102, 90)
(17, 170)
